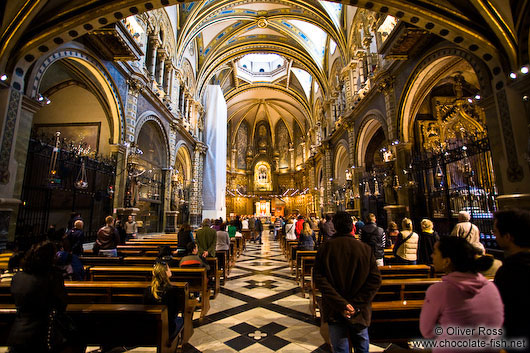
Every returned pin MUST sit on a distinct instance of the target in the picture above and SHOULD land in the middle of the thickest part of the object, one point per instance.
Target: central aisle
(260, 309)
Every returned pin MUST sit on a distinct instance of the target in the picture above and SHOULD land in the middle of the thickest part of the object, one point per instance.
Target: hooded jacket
(464, 300)
(374, 236)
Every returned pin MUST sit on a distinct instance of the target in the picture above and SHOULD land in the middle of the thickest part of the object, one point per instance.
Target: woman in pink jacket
(464, 307)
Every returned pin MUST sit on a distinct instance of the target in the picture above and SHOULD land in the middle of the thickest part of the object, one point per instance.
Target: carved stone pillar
(327, 168)
(351, 144)
(233, 160)
(131, 108)
(160, 67)
(403, 158)
(120, 183)
(387, 88)
(196, 184)
(168, 73)
(151, 63)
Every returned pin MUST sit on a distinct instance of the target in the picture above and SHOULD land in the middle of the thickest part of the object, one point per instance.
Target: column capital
(201, 147)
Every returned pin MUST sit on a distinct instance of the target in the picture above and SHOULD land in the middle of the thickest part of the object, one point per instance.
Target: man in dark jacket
(374, 236)
(513, 277)
(259, 229)
(107, 239)
(325, 229)
(74, 239)
(346, 274)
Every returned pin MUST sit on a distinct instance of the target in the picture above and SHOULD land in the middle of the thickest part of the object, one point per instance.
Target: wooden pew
(106, 292)
(196, 277)
(405, 271)
(111, 324)
(306, 265)
(299, 255)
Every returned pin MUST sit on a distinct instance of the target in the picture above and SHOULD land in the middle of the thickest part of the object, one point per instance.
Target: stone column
(351, 144)
(233, 160)
(120, 183)
(403, 158)
(134, 89)
(327, 167)
(168, 73)
(154, 44)
(196, 184)
(387, 88)
(16, 118)
(161, 56)
(166, 199)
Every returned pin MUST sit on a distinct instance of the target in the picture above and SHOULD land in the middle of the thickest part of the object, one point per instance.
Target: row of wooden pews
(113, 295)
(396, 306)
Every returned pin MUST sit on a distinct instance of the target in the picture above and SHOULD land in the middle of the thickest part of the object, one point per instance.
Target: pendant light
(53, 177)
(81, 180)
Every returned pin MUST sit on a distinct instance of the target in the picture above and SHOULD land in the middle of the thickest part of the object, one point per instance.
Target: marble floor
(260, 309)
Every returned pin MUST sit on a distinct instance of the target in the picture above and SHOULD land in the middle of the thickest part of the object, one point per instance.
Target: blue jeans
(339, 333)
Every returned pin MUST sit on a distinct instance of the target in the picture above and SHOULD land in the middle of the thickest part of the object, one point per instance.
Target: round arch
(367, 131)
(150, 116)
(184, 157)
(98, 75)
(424, 77)
(341, 163)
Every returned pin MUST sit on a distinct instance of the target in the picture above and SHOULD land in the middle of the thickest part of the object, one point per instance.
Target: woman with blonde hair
(406, 247)
(427, 238)
(290, 233)
(161, 292)
(307, 239)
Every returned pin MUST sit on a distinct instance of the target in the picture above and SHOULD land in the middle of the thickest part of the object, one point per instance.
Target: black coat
(172, 298)
(373, 235)
(35, 296)
(346, 273)
(426, 243)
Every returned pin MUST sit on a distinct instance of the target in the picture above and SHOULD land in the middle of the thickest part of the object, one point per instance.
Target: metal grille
(44, 205)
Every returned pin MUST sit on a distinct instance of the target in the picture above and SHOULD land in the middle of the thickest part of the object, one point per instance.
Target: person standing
(259, 229)
(374, 236)
(510, 228)
(252, 227)
(131, 228)
(427, 238)
(206, 239)
(277, 227)
(223, 239)
(184, 236)
(107, 239)
(290, 229)
(467, 230)
(347, 275)
(74, 239)
(406, 248)
(307, 239)
(326, 229)
(299, 226)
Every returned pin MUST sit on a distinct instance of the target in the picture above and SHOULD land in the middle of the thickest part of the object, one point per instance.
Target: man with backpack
(374, 236)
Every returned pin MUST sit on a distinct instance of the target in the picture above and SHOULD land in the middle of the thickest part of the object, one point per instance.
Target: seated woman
(162, 292)
(464, 298)
(307, 239)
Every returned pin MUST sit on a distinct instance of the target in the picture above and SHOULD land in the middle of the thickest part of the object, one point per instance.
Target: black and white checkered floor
(260, 309)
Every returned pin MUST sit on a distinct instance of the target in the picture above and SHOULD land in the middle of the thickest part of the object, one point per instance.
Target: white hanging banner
(215, 137)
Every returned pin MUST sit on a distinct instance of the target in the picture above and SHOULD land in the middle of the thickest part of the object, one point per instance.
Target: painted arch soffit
(254, 13)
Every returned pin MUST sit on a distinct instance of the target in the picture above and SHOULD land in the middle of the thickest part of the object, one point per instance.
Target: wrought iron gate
(45, 204)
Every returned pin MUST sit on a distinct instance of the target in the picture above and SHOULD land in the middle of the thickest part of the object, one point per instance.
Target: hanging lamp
(81, 181)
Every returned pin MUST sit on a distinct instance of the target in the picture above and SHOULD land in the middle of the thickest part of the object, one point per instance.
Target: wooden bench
(306, 265)
(196, 278)
(405, 271)
(111, 324)
(299, 255)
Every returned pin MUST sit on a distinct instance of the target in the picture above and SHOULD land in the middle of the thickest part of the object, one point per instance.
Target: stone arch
(368, 129)
(433, 65)
(100, 76)
(152, 116)
(341, 162)
(184, 156)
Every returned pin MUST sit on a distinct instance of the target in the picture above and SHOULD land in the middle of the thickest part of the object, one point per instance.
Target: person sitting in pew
(164, 254)
(193, 259)
(463, 298)
(162, 292)
(38, 291)
(13, 265)
(307, 239)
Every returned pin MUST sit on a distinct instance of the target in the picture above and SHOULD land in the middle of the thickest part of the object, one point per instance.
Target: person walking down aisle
(464, 298)
(206, 239)
(511, 229)
(259, 230)
(347, 275)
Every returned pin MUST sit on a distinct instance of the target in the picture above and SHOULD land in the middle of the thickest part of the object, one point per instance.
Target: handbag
(61, 331)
